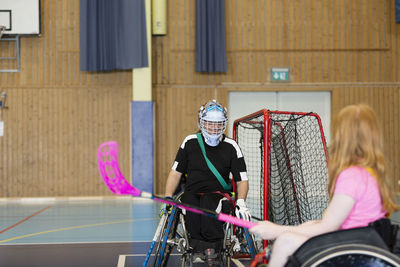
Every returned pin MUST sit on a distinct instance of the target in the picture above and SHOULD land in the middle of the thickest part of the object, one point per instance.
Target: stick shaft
(107, 158)
(219, 216)
(235, 220)
(161, 225)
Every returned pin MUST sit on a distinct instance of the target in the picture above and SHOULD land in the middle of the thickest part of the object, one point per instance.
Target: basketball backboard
(20, 17)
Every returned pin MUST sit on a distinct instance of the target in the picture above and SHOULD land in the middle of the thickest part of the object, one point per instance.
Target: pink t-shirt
(359, 184)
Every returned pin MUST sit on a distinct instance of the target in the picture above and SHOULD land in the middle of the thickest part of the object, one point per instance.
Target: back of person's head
(357, 139)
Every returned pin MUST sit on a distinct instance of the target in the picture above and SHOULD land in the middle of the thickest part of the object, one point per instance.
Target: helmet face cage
(212, 121)
(213, 127)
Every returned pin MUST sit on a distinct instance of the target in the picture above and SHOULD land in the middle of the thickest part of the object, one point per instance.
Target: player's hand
(242, 211)
(266, 229)
(165, 208)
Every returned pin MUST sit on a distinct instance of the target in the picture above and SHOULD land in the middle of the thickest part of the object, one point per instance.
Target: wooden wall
(57, 115)
(350, 48)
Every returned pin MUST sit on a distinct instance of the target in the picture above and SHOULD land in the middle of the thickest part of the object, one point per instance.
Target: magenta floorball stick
(107, 158)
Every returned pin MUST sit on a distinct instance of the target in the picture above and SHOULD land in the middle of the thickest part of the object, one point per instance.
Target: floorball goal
(286, 158)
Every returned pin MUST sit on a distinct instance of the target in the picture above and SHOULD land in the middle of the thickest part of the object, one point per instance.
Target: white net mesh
(297, 172)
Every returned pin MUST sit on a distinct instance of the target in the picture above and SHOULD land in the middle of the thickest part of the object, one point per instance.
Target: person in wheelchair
(207, 158)
(358, 187)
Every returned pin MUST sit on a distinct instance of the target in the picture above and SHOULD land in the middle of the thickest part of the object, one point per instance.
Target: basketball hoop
(2, 29)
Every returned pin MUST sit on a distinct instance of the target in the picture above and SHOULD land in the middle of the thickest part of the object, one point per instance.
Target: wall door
(244, 103)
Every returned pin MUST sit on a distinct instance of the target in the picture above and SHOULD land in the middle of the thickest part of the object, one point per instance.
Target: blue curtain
(210, 36)
(112, 35)
(397, 6)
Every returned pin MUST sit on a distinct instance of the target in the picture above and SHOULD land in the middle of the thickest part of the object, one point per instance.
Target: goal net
(286, 158)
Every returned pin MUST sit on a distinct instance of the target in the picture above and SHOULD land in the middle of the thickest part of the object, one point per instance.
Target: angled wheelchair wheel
(173, 236)
(251, 243)
(166, 244)
(352, 247)
(248, 245)
(238, 243)
(353, 255)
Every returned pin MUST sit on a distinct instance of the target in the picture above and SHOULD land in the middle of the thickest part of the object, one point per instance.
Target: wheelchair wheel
(251, 244)
(248, 246)
(165, 246)
(237, 244)
(355, 255)
(186, 260)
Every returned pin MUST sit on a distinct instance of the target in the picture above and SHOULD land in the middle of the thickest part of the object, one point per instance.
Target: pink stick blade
(107, 159)
(236, 221)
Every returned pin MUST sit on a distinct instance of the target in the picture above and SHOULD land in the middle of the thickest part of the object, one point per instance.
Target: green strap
(211, 166)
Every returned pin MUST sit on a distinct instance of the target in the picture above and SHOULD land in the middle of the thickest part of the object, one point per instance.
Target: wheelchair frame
(175, 235)
(343, 248)
(352, 247)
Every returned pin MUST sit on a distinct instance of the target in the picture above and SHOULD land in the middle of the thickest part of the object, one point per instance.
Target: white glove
(242, 211)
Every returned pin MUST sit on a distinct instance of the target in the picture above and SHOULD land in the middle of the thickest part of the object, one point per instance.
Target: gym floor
(78, 232)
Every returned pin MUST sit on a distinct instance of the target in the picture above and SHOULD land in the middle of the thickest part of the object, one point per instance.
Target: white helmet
(212, 122)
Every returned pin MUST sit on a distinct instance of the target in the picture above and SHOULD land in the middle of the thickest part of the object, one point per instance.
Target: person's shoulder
(233, 144)
(356, 169)
(355, 172)
(191, 136)
(229, 140)
(188, 139)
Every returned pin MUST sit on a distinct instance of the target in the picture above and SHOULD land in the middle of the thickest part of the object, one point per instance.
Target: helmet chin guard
(212, 122)
(211, 139)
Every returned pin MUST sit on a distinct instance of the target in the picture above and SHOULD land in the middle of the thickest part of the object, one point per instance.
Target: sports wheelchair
(355, 247)
(237, 241)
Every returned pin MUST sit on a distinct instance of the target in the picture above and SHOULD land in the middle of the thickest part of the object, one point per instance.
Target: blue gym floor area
(95, 232)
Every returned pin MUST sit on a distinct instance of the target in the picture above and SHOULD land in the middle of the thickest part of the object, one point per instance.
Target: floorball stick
(157, 234)
(107, 159)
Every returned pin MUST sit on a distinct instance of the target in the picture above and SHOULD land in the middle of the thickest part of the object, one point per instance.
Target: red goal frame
(267, 147)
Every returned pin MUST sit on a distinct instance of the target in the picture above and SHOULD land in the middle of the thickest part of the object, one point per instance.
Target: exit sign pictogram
(279, 75)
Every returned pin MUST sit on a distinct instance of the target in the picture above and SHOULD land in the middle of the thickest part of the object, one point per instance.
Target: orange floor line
(25, 219)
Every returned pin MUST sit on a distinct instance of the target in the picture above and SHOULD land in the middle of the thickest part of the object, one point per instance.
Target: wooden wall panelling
(12, 161)
(262, 34)
(5, 162)
(383, 98)
(163, 142)
(58, 115)
(352, 46)
(163, 154)
(394, 40)
(230, 16)
(7, 50)
(396, 53)
(176, 117)
(396, 134)
(17, 162)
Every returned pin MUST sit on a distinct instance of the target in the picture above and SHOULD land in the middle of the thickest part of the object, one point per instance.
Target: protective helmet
(212, 122)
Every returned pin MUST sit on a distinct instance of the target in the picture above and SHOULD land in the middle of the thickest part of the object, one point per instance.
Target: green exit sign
(279, 75)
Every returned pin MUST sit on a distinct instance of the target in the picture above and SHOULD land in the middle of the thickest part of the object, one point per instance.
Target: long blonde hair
(357, 140)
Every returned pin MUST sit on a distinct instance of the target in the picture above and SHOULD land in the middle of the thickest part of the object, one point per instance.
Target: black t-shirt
(226, 158)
